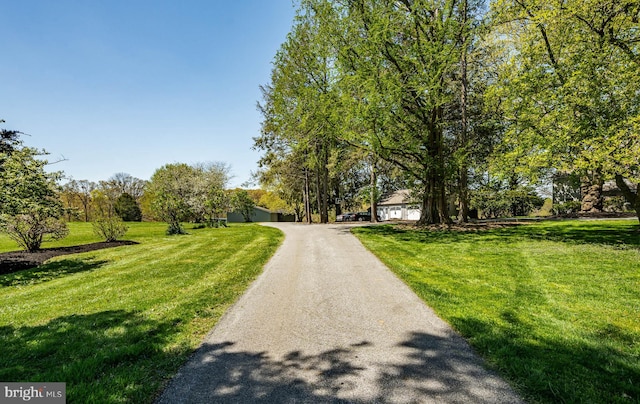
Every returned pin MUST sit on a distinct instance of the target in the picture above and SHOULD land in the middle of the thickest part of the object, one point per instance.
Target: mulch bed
(18, 260)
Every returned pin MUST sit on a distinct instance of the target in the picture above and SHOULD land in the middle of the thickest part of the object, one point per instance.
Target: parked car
(346, 217)
(363, 216)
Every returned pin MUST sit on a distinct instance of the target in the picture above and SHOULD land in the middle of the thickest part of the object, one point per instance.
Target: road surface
(328, 322)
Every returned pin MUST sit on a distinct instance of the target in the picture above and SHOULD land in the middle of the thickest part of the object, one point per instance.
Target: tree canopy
(456, 95)
(30, 207)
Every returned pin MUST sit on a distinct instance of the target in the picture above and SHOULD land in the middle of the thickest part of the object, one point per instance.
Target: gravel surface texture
(327, 322)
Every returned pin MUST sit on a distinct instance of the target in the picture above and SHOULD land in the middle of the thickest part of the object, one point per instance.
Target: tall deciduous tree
(298, 108)
(171, 188)
(569, 87)
(209, 200)
(402, 58)
(126, 183)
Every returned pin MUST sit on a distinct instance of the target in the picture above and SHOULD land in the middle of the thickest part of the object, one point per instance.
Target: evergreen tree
(127, 208)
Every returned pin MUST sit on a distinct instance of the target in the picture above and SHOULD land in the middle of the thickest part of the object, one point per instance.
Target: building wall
(258, 215)
(399, 212)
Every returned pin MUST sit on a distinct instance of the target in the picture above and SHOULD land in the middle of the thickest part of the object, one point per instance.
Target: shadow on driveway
(431, 370)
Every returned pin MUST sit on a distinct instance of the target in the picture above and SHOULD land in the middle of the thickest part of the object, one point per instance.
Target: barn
(260, 214)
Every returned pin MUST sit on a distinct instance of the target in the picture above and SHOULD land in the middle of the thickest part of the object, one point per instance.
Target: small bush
(109, 228)
(567, 208)
(175, 228)
(29, 230)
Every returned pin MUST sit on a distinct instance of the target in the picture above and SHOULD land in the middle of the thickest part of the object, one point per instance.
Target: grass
(554, 307)
(82, 233)
(116, 324)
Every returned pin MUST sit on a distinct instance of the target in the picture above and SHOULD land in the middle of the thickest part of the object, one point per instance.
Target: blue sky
(131, 85)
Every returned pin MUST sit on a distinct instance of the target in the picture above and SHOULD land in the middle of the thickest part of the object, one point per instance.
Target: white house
(399, 206)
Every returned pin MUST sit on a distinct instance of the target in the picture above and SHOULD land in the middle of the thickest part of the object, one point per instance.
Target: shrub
(567, 208)
(109, 228)
(29, 230)
(495, 202)
(175, 228)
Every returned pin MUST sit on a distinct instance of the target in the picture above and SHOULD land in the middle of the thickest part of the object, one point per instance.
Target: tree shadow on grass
(589, 369)
(110, 356)
(595, 232)
(14, 261)
(619, 235)
(430, 368)
(49, 271)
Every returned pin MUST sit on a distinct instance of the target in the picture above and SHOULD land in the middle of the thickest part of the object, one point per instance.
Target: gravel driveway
(328, 322)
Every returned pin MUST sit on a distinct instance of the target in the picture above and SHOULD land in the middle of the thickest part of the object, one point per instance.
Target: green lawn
(82, 233)
(115, 324)
(554, 307)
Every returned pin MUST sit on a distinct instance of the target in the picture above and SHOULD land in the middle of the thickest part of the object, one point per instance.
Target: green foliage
(170, 187)
(209, 201)
(553, 307)
(9, 140)
(568, 87)
(494, 201)
(175, 228)
(274, 203)
(127, 208)
(567, 208)
(243, 203)
(180, 192)
(109, 228)
(29, 203)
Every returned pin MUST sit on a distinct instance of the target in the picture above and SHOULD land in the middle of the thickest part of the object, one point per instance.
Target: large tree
(126, 183)
(299, 114)
(569, 88)
(208, 199)
(401, 64)
(180, 192)
(171, 189)
(30, 207)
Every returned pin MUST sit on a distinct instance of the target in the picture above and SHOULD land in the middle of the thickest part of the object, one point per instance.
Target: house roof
(399, 197)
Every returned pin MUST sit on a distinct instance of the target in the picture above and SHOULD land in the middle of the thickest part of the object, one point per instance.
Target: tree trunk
(463, 194)
(337, 204)
(318, 192)
(463, 186)
(591, 193)
(374, 182)
(324, 211)
(434, 202)
(307, 197)
(629, 195)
